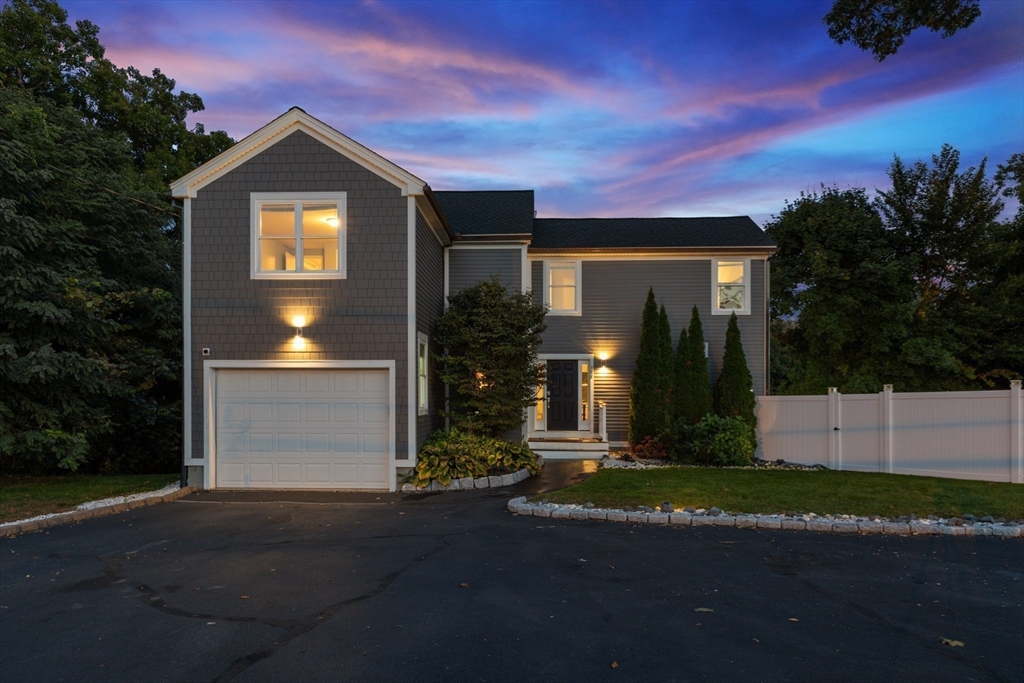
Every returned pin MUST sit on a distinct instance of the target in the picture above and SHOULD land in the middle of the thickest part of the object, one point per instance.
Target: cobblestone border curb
(81, 515)
(472, 483)
(519, 506)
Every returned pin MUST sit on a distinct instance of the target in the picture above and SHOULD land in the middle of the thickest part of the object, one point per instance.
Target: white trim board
(275, 131)
(410, 357)
(186, 323)
(210, 368)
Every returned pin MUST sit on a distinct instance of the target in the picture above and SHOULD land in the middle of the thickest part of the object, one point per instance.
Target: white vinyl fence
(956, 434)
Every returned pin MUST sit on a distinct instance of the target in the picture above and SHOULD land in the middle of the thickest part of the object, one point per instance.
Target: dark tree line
(921, 287)
(90, 288)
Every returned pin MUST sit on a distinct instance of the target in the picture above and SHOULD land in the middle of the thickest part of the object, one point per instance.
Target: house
(314, 273)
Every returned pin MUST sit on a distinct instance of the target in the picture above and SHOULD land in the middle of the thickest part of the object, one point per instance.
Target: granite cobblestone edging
(16, 528)
(844, 524)
(469, 483)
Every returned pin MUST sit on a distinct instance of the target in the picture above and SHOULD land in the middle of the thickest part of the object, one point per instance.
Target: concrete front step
(569, 450)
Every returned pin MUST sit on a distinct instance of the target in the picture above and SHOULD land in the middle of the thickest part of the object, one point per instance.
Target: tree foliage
(645, 406)
(489, 339)
(882, 26)
(734, 389)
(90, 289)
(698, 402)
(920, 288)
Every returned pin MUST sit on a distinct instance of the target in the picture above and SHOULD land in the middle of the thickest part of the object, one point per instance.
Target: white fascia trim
(433, 222)
(487, 245)
(295, 119)
(638, 256)
(186, 324)
(411, 323)
(578, 309)
(715, 310)
(211, 367)
(256, 198)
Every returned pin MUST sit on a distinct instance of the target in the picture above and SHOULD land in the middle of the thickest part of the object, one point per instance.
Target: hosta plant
(455, 454)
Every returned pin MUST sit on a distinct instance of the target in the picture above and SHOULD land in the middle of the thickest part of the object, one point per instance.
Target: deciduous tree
(882, 26)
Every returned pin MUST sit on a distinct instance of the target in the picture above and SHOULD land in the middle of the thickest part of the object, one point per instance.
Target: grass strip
(779, 491)
(24, 497)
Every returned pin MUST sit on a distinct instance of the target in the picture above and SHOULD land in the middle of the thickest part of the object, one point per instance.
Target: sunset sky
(604, 108)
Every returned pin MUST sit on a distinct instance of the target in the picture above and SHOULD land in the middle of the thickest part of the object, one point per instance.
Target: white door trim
(211, 367)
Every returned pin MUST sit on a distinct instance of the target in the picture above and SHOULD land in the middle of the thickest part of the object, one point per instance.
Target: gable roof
(292, 120)
(649, 233)
(488, 213)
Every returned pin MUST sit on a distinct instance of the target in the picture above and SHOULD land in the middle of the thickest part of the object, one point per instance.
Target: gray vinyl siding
(429, 307)
(467, 267)
(613, 298)
(362, 317)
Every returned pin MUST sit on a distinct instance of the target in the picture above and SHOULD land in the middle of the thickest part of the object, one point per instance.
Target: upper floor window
(298, 235)
(731, 287)
(562, 291)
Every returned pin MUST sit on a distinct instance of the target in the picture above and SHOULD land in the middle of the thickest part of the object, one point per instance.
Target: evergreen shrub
(714, 441)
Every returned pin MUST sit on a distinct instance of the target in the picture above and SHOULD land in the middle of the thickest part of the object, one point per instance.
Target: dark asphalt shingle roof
(485, 212)
(611, 233)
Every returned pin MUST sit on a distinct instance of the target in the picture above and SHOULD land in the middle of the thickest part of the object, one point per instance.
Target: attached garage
(301, 427)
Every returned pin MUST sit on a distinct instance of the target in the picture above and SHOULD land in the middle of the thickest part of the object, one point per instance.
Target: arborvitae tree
(666, 375)
(699, 401)
(683, 378)
(734, 390)
(644, 415)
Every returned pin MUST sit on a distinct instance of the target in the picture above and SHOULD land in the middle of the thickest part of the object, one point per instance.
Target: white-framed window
(562, 287)
(730, 289)
(298, 235)
(422, 375)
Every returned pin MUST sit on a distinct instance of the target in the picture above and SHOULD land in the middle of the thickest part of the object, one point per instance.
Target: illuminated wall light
(298, 343)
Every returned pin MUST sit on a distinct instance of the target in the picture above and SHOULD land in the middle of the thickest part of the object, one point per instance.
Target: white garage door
(302, 429)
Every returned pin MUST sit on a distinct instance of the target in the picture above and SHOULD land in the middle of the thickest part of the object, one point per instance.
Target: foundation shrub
(714, 441)
(455, 454)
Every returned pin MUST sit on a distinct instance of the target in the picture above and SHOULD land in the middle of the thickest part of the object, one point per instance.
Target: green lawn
(23, 497)
(777, 491)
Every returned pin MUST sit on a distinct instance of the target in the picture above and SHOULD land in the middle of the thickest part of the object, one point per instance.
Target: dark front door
(562, 395)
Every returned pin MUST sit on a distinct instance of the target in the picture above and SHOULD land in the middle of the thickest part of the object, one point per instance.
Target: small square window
(731, 286)
(298, 235)
(562, 291)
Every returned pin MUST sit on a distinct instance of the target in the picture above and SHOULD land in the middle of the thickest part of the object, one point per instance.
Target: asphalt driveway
(451, 587)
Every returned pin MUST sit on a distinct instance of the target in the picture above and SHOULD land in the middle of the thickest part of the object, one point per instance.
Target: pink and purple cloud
(604, 108)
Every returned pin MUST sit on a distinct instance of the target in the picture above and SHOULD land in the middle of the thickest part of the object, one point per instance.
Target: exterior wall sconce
(602, 363)
(298, 322)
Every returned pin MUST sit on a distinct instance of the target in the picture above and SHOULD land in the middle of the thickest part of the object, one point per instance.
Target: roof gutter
(639, 251)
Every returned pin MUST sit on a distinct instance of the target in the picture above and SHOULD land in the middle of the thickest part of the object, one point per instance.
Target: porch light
(298, 322)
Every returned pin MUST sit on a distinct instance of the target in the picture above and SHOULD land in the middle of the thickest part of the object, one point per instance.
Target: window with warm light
(562, 291)
(298, 235)
(422, 376)
(585, 391)
(731, 288)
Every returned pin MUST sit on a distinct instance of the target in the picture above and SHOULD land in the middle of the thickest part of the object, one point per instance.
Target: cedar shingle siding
(429, 307)
(613, 299)
(362, 317)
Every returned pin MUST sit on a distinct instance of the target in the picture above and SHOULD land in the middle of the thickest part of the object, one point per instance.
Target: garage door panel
(263, 383)
(375, 414)
(289, 382)
(260, 442)
(318, 443)
(261, 473)
(374, 384)
(374, 444)
(317, 412)
(317, 382)
(345, 383)
(303, 429)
